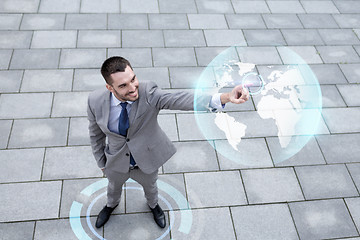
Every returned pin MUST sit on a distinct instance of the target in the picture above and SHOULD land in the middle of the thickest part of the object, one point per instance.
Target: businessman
(125, 113)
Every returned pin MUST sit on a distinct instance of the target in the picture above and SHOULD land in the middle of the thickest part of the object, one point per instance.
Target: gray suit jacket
(146, 141)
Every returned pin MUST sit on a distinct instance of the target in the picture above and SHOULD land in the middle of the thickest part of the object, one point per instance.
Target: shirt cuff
(215, 102)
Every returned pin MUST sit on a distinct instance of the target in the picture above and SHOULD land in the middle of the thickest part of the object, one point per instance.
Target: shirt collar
(116, 102)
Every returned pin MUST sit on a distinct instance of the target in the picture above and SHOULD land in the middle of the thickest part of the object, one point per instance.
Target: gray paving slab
(10, 21)
(188, 77)
(302, 37)
(331, 96)
(174, 6)
(47, 80)
(214, 189)
(128, 21)
(250, 6)
(318, 20)
(353, 205)
(307, 53)
(328, 73)
(347, 20)
(79, 132)
(10, 80)
(70, 104)
(319, 7)
(17, 231)
(271, 185)
(59, 6)
(349, 93)
(184, 38)
(54, 39)
(163, 57)
(351, 71)
(357, 48)
(207, 21)
(219, 38)
(338, 54)
(5, 128)
(259, 55)
(326, 181)
(38, 133)
(334, 152)
(348, 6)
(86, 21)
(82, 58)
(138, 57)
(100, 6)
(29, 203)
(167, 123)
(35, 59)
(282, 21)
(214, 6)
(139, 6)
(272, 221)
(264, 37)
(168, 21)
(159, 75)
(210, 223)
(142, 38)
(322, 219)
(27, 105)
(22, 6)
(342, 120)
(354, 169)
(15, 39)
(192, 157)
(87, 80)
(339, 36)
(245, 21)
(99, 38)
(285, 7)
(206, 55)
(21, 165)
(5, 56)
(43, 21)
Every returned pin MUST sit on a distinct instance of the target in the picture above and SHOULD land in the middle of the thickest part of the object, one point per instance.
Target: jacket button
(128, 140)
(127, 154)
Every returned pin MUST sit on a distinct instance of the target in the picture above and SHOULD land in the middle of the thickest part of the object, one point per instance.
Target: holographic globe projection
(285, 107)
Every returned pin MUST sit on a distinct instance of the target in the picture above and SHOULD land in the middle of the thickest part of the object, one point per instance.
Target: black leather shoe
(159, 216)
(104, 216)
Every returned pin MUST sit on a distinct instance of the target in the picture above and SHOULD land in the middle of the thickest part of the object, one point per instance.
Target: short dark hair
(113, 65)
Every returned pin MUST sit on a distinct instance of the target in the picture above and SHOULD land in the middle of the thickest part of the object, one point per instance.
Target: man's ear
(109, 87)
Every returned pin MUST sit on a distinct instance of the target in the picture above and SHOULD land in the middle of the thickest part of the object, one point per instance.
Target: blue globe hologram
(286, 104)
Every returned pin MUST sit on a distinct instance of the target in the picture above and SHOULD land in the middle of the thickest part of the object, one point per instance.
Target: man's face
(125, 85)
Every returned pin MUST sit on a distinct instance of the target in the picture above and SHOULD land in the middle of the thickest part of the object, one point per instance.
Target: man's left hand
(238, 95)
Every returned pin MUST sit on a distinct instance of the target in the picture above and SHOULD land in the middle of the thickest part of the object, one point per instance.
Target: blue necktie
(124, 125)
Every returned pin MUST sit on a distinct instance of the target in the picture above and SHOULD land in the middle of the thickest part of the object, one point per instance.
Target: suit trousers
(117, 180)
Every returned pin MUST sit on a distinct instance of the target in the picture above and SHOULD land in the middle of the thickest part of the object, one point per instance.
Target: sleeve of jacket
(97, 138)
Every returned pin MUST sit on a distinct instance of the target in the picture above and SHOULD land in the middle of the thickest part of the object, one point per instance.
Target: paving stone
(18, 231)
(310, 154)
(319, 7)
(47, 80)
(345, 152)
(21, 165)
(88, 79)
(168, 125)
(100, 6)
(10, 21)
(214, 6)
(159, 75)
(175, 6)
(271, 185)
(54, 39)
(184, 160)
(82, 58)
(15, 39)
(173, 57)
(214, 189)
(285, 7)
(86, 21)
(70, 104)
(138, 57)
(69, 162)
(264, 38)
(59, 6)
(39, 133)
(5, 127)
(357, 48)
(245, 21)
(31, 105)
(342, 120)
(282, 21)
(10, 80)
(142, 38)
(338, 36)
(302, 37)
(349, 93)
(271, 221)
(29, 203)
(211, 223)
(184, 38)
(99, 38)
(168, 21)
(217, 38)
(188, 77)
(139, 6)
(347, 20)
(78, 132)
(318, 20)
(250, 6)
(207, 21)
(326, 181)
(331, 96)
(354, 169)
(127, 21)
(328, 73)
(338, 54)
(206, 55)
(307, 53)
(322, 219)
(43, 22)
(251, 153)
(5, 56)
(21, 6)
(35, 59)
(348, 6)
(353, 205)
(259, 55)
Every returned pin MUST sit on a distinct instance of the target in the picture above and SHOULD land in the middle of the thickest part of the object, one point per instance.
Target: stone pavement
(50, 54)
